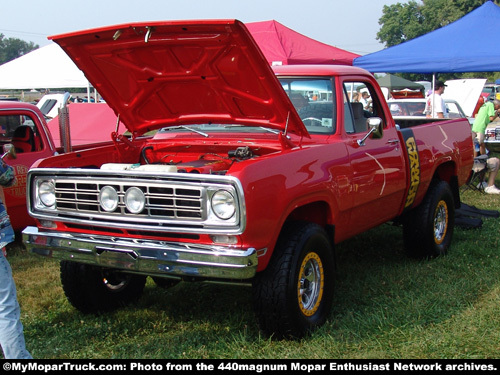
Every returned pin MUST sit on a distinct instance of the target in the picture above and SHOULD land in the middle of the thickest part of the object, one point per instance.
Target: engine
(206, 163)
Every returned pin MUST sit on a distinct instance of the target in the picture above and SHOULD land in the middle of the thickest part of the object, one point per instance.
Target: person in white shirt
(366, 100)
(435, 105)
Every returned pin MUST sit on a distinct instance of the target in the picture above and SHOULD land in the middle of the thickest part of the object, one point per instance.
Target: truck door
(21, 128)
(378, 179)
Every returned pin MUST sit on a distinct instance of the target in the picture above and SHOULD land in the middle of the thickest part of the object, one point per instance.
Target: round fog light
(135, 200)
(108, 197)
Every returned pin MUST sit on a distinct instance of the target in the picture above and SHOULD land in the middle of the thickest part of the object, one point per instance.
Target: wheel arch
(448, 172)
(319, 212)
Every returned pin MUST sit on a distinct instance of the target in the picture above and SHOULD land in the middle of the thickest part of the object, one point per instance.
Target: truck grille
(162, 202)
(174, 202)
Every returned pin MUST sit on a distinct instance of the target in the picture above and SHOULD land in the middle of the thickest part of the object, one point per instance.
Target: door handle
(393, 141)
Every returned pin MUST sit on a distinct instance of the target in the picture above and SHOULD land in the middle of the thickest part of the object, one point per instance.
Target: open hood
(160, 74)
(465, 91)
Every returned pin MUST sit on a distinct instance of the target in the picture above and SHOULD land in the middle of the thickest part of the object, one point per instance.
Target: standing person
(435, 105)
(493, 165)
(11, 329)
(487, 113)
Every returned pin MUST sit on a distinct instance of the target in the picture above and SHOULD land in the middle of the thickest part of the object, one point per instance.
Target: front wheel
(93, 289)
(294, 294)
(428, 230)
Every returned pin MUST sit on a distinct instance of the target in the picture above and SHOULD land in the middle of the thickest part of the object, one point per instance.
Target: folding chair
(478, 174)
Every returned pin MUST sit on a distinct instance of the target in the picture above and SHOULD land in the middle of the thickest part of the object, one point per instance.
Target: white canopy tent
(47, 67)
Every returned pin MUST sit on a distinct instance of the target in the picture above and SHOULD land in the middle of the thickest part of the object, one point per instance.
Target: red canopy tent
(284, 46)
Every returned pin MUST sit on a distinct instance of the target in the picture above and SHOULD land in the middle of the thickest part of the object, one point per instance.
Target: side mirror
(9, 150)
(376, 130)
(376, 127)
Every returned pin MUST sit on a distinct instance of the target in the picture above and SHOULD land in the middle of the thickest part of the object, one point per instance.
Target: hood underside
(161, 74)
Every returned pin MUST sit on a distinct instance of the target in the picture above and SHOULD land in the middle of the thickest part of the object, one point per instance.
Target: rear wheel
(428, 230)
(93, 289)
(294, 294)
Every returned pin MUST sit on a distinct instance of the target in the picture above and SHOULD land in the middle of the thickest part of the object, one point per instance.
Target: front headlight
(47, 193)
(223, 204)
(108, 198)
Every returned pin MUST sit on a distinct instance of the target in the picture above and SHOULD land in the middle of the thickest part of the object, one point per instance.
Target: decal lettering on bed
(414, 161)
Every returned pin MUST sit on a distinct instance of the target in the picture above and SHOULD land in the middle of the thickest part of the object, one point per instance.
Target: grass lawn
(386, 306)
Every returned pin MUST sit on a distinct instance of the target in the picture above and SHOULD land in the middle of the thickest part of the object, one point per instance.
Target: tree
(12, 48)
(400, 22)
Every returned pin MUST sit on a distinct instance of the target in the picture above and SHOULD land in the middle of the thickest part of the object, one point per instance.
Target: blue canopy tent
(466, 45)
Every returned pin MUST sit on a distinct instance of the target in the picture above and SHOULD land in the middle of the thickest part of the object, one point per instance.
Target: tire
(93, 289)
(428, 230)
(293, 295)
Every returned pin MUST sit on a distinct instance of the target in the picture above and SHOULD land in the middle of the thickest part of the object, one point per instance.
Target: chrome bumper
(152, 258)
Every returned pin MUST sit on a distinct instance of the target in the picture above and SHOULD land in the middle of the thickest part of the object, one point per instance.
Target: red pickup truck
(251, 175)
(24, 126)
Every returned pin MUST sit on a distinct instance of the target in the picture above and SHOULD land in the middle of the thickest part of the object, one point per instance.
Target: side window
(348, 120)
(20, 130)
(453, 111)
(360, 103)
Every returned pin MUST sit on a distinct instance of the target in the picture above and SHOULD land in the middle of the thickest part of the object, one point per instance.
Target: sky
(350, 25)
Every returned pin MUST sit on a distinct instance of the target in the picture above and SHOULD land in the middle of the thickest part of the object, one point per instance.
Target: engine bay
(173, 161)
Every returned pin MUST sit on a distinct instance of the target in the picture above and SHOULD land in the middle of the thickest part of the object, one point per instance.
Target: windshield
(313, 100)
(311, 97)
(205, 129)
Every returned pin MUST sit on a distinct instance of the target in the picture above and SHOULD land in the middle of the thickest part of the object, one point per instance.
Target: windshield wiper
(187, 128)
(274, 131)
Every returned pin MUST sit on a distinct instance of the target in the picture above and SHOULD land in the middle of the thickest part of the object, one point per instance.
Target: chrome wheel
(310, 284)
(440, 222)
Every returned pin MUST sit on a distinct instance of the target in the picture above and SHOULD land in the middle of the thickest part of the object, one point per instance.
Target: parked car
(50, 104)
(490, 88)
(415, 107)
(492, 139)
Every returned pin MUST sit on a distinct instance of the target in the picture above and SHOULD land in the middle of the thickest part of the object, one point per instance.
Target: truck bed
(405, 122)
